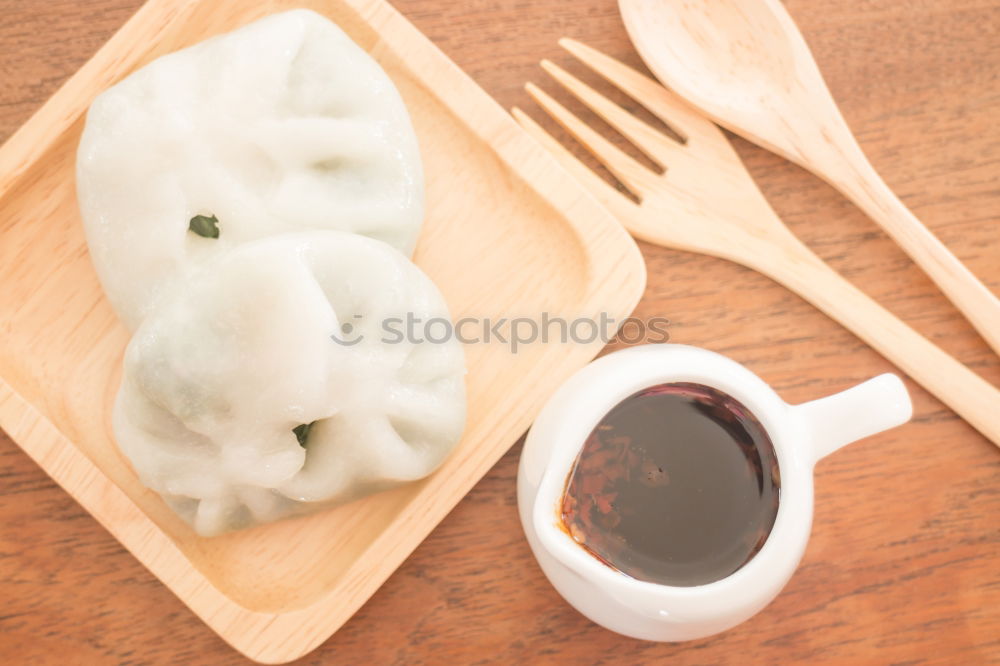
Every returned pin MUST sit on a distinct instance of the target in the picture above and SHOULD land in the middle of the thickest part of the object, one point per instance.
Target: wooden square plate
(508, 233)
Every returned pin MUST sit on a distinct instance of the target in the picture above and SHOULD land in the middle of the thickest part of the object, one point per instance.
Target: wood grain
(904, 563)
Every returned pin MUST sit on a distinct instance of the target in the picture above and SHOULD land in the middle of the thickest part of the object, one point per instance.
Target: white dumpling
(302, 328)
(282, 125)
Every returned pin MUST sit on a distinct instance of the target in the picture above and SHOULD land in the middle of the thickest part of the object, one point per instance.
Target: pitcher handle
(864, 410)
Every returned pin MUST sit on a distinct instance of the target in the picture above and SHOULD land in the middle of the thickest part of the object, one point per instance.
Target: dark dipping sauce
(678, 485)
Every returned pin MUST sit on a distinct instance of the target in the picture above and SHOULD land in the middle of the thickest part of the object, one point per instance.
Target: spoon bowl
(757, 83)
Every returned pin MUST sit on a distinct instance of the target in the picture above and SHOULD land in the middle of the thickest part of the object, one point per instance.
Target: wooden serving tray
(508, 234)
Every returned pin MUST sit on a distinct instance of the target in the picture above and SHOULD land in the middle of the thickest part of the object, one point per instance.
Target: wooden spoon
(746, 66)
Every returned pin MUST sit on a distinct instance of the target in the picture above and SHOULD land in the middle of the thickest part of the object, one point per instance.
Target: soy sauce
(678, 485)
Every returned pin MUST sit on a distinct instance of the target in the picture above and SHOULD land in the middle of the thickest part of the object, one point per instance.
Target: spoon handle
(855, 177)
(792, 264)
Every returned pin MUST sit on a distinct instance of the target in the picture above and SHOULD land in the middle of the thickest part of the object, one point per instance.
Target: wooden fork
(706, 201)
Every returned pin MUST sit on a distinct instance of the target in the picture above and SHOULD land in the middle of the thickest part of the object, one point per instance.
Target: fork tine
(631, 173)
(656, 145)
(662, 103)
(612, 199)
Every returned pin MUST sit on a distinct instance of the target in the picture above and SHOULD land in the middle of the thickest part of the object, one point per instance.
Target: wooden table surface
(904, 562)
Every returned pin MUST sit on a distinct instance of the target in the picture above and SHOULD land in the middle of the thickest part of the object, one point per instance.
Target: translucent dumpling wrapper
(297, 337)
(282, 125)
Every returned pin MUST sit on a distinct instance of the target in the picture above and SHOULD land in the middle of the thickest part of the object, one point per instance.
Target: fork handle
(857, 179)
(970, 396)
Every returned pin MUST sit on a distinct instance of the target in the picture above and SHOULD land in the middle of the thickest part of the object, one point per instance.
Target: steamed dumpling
(283, 125)
(271, 337)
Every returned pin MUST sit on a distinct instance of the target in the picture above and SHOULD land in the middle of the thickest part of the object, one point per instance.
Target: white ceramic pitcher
(801, 435)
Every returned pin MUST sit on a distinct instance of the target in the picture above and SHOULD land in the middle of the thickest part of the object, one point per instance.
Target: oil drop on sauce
(677, 485)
